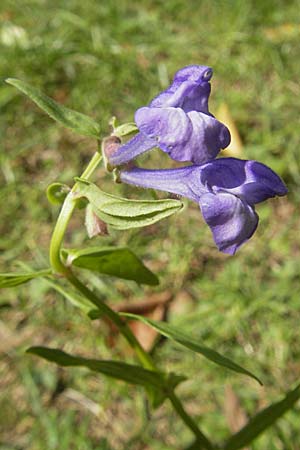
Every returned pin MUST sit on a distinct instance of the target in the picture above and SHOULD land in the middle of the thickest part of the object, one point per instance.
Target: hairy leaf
(78, 122)
(122, 213)
(125, 129)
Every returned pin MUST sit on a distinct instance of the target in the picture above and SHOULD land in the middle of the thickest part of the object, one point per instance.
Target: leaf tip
(10, 80)
(32, 350)
(154, 280)
(259, 381)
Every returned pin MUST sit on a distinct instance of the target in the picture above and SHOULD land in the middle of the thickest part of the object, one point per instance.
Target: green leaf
(126, 129)
(57, 192)
(115, 369)
(263, 420)
(178, 336)
(118, 262)
(78, 122)
(95, 314)
(121, 213)
(8, 280)
(72, 296)
(157, 397)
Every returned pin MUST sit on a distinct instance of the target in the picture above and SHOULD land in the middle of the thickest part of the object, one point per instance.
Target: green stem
(59, 267)
(143, 356)
(59, 233)
(202, 440)
(64, 219)
(91, 167)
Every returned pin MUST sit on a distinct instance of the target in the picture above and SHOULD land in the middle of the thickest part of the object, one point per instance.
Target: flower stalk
(201, 439)
(64, 219)
(60, 268)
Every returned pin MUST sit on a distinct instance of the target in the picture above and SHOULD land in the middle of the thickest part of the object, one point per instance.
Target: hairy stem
(59, 267)
(64, 219)
(59, 233)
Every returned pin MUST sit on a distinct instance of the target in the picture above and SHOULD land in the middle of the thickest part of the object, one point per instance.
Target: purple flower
(178, 122)
(226, 190)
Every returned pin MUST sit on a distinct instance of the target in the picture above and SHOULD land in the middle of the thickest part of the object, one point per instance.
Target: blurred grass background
(108, 58)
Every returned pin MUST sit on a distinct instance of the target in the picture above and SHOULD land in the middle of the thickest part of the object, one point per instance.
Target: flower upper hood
(178, 122)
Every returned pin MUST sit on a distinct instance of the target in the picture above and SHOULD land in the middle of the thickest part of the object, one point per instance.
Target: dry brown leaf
(94, 225)
(234, 413)
(236, 146)
(283, 32)
(154, 307)
(145, 334)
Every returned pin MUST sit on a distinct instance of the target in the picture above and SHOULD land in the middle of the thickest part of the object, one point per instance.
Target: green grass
(108, 58)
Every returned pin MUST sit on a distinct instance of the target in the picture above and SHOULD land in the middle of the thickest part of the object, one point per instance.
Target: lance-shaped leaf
(263, 420)
(117, 262)
(122, 371)
(8, 280)
(72, 296)
(178, 336)
(121, 213)
(80, 123)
